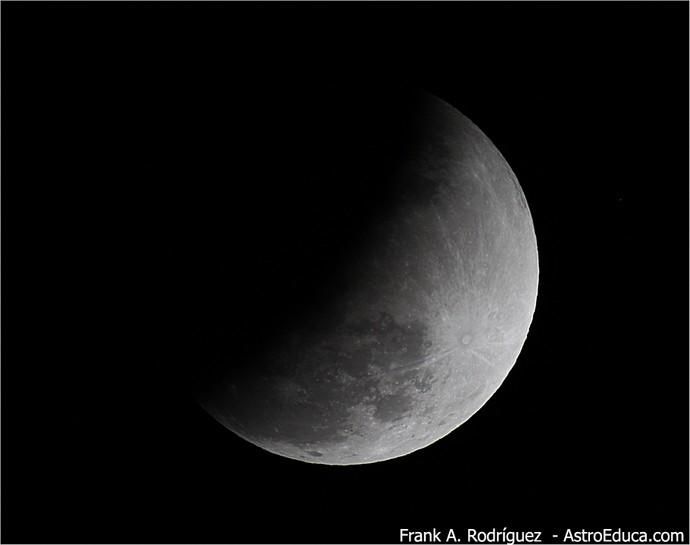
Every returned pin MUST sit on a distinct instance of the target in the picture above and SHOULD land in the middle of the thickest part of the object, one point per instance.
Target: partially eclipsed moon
(431, 316)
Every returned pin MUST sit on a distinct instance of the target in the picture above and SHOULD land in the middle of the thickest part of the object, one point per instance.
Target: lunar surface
(425, 322)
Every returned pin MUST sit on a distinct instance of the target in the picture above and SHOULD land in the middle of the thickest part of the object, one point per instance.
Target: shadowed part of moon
(423, 322)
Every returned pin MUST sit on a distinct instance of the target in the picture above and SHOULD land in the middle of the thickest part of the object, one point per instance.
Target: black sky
(144, 144)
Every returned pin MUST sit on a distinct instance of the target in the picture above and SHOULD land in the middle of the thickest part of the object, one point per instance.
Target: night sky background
(148, 146)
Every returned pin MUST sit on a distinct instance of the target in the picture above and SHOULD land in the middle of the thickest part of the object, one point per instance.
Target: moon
(423, 323)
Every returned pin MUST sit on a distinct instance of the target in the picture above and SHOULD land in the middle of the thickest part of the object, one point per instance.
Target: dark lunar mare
(394, 312)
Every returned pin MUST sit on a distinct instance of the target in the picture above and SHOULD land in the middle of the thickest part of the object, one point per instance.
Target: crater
(424, 382)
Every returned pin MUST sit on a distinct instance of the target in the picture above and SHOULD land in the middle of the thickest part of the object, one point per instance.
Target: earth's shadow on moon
(315, 207)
